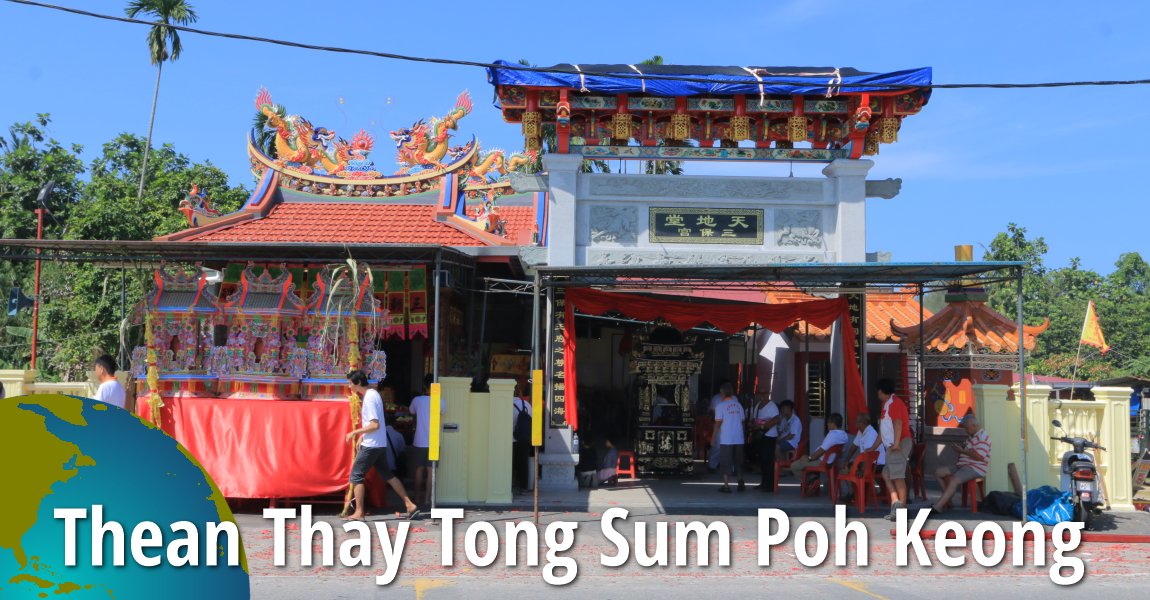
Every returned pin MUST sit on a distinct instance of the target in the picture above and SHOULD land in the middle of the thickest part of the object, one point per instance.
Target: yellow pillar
(17, 382)
(1043, 467)
(499, 440)
(475, 429)
(1115, 437)
(451, 472)
(999, 417)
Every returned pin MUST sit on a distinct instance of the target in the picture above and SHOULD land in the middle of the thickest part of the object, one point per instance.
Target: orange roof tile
(520, 223)
(346, 222)
(882, 309)
(970, 324)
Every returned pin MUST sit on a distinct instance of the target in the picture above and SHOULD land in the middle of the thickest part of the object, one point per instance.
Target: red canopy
(730, 318)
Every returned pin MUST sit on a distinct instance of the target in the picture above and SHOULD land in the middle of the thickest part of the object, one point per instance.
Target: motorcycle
(1080, 477)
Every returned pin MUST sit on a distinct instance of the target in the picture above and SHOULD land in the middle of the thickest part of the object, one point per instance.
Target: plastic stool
(973, 492)
(630, 470)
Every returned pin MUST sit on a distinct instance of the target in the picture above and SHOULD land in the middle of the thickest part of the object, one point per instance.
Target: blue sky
(1064, 163)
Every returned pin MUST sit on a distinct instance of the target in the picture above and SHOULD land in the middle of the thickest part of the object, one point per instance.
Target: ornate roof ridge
(969, 325)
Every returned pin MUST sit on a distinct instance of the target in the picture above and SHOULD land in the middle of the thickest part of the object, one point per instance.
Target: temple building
(334, 263)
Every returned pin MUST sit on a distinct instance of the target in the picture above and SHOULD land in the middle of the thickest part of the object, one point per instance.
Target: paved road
(1114, 571)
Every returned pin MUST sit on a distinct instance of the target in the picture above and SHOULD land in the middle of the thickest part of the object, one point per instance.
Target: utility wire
(563, 71)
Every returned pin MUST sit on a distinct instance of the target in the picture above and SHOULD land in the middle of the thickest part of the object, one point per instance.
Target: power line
(559, 70)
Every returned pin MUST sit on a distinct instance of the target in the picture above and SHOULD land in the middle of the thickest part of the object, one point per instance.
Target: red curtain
(263, 449)
(730, 318)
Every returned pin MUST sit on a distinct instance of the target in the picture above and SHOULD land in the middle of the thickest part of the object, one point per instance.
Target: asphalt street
(1112, 570)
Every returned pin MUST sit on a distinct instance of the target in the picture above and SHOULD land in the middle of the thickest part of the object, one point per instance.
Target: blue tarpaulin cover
(723, 81)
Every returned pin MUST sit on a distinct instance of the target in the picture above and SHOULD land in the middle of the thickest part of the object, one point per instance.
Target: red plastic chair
(630, 470)
(917, 481)
(973, 492)
(792, 456)
(860, 477)
(830, 469)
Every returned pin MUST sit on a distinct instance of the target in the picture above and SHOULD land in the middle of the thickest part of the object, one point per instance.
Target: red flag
(1092, 331)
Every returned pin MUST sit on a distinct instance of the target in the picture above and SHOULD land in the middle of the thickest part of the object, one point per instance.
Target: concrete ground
(1114, 569)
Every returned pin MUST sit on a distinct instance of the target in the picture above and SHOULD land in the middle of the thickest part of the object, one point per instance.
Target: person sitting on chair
(973, 462)
(790, 428)
(587, 466)
(866, 440)
(608, 474)
(835, 437)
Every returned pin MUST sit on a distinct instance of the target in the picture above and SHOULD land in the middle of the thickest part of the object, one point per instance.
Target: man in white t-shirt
(790, 429)
(110, 390)
(835, 437)
(729, 416)
(767, 421)
(866, 439)
(717, 398)
(372, 452)
(421, 409)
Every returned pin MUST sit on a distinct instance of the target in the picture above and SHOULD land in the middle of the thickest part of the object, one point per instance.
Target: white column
(1115, 437)
(562, 177)
(999, 417)
(849, 190)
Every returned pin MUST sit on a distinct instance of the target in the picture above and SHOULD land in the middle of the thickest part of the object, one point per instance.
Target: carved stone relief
(627, 258)
(695, 187)
(798, 228)
(614, 224)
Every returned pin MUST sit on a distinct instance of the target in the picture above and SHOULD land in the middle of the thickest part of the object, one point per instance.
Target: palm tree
(265, 137)
(163, 45)
(661, 167)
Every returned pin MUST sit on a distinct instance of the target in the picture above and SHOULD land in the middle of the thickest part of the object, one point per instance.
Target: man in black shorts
(372, 448)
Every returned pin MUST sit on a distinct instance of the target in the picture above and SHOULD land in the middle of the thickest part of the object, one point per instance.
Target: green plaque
(689, 225)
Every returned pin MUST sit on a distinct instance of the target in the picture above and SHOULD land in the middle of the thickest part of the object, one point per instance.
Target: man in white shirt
(767, 421)
(717, 398)
(728, 436)
(372, 452)
(421, 409)
(835, 437)
(866, 440)
(790, 430)
(110, 390)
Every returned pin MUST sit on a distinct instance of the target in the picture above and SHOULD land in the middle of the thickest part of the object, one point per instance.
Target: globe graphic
(63, 452)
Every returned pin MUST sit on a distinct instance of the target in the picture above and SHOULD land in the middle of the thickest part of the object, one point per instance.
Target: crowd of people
(777, 435)
(775, 432)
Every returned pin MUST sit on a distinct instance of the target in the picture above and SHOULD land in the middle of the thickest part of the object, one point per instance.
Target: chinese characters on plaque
(558, 407)
(856, 309)
(707, 225)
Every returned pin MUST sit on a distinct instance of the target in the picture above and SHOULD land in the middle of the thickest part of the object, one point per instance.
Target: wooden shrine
(665, 443)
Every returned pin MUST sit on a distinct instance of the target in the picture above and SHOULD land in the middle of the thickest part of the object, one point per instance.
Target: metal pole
(435, 355)
(534, 367)
(36, 296)
(1022, 398)
(920, 376)
(123, 356)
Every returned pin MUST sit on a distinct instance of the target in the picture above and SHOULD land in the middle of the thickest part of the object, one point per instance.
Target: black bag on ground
(1001, 503)
(522, 426)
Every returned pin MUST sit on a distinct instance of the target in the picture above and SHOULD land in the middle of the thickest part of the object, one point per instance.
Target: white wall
(604, 219)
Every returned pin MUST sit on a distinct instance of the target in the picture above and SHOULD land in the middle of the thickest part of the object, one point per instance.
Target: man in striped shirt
(973, 462)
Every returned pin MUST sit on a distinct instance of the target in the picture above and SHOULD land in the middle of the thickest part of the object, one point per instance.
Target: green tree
(81, 302)
(1012, 245)
(163, 45)
(29, 158)
(80, 313)
(1122, 300)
